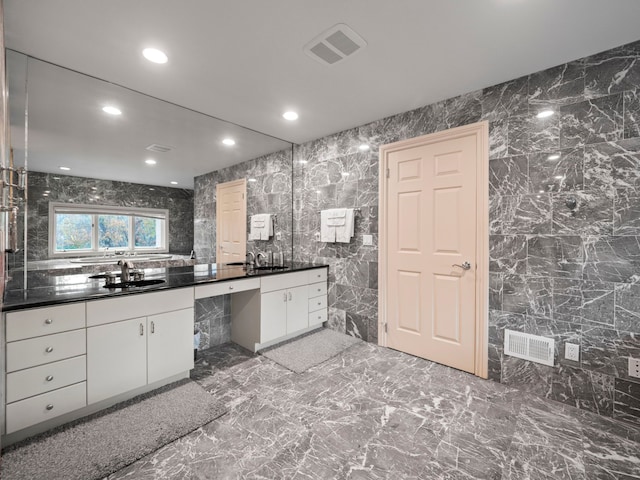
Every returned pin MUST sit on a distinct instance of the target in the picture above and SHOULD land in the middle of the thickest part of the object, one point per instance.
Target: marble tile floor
(375, 413)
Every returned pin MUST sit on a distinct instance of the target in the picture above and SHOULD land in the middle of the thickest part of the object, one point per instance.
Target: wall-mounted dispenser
(12, 178)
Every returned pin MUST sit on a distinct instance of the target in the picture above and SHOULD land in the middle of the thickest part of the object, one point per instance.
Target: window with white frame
(90, 229)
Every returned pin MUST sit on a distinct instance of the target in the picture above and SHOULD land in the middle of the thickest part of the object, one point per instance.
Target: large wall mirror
(78, 154)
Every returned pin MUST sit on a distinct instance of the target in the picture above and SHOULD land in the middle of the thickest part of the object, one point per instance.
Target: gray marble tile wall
(268, 191)
(564, 221)
(45, 188)
(213, 320)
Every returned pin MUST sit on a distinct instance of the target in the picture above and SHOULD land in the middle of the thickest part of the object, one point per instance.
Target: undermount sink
(271, 267)
(136, 283)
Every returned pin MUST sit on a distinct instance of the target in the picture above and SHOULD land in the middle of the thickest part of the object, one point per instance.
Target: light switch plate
(367, 239)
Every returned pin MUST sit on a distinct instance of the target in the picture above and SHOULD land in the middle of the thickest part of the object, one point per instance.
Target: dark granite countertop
(47, 288)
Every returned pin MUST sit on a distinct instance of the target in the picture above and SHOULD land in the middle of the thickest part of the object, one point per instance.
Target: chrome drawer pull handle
(50, 407)
(49, 378)
(48, 321)
(141, 330)
(153, 327)
(49, 349)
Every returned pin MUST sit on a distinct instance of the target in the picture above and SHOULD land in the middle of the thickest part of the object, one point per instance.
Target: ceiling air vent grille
(335, 44)
(156, 147)
(529, 347)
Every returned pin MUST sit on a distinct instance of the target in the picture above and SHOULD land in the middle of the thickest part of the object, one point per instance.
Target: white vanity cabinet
(283, 305)
(280, 309)
(125, 353)
(45, 364)
(283, 312)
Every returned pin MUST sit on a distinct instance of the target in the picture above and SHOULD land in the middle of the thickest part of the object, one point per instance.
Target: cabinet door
(169, 344)
(116, 358)
(273, 315)
(297, 309)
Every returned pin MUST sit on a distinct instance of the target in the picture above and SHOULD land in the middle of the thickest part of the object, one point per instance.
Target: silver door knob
(464, 266)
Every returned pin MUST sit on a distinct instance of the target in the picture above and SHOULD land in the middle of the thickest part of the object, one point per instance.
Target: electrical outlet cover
(572, 352)
(367, 239)
(634, 367)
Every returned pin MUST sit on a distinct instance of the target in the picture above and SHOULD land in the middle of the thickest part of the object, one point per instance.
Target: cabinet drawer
(281, 281)
(38, 409)
(223, 288)
(44, 321)
(317, 289)
(51, 376)
(317, 275)
(318, 317)
(50, 348)
(318, 303)
(110, 310)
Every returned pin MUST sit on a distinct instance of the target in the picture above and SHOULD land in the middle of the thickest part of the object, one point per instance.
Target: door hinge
(243, 196)
(388, 173)
(385, 327)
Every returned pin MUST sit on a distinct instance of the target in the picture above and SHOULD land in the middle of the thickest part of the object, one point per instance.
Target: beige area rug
(105, 442)
(303, 353)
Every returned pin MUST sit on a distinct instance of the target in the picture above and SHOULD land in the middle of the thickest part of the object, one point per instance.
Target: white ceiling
(242, 61)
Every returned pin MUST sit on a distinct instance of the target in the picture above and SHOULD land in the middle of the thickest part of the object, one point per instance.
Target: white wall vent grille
(334, 45)
(155, 147)
(529, 347)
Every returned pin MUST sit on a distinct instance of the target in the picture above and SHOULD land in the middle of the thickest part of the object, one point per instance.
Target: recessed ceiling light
(45, 194)
(541, 191)
(174, 183)
(47, 191)
(555, 156)
(253, 180)
(150, 161)
(97, 197)
(152, 189)
(65, 168)
(303, 162)
(111, 110)
(229, 141)
(56, 178)
(154, 55)
(318, 191)
(364, 147)
(345, 174)
(559, 177)
(290, 115)
(545, 113)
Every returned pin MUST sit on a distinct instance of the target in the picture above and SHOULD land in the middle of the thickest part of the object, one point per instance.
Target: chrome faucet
(251, 259)
(260, 259)
(125, 265)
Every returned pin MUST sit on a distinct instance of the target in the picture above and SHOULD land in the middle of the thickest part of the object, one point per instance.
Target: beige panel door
(231, 221)
(431, 250)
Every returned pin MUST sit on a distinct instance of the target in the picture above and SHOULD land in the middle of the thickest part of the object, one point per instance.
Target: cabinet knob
(230, 287)
(50, 407)
(48, 321)
(49, 378)
(319, 303)
(49, 349)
